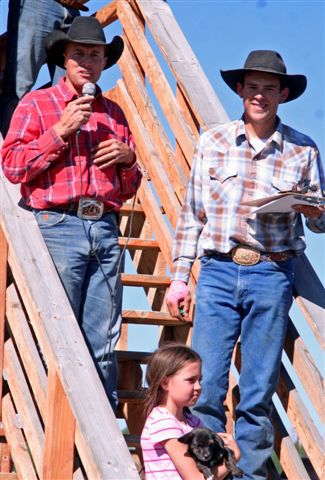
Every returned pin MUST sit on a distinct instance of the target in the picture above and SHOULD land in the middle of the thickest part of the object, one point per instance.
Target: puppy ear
(218, 439)
(187, 438)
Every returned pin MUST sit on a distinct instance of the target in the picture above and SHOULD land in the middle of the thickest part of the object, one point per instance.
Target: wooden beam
(302, 422)
(59, 432)
(108, 14)
(183, 63)
(306, 369)
(310, 296)
(137, 280)
(147, 153)
(151, 318)
(26, 346)
(3, 287)
(153, 124)
(156, 77)
(24, 404)
(138, 243)
(19, 449)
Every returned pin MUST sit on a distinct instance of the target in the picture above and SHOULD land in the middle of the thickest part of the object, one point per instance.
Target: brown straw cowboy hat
(270, 62)
(86, 30)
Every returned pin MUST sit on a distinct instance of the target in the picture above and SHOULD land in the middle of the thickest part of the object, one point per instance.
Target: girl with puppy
(173, 377)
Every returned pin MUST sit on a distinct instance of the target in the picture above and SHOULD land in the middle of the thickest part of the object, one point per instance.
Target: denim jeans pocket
(206, 260)
(286, 267)
(49, 218)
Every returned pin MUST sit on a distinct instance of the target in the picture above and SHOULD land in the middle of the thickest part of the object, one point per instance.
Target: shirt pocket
(283, 185)
(223, 181)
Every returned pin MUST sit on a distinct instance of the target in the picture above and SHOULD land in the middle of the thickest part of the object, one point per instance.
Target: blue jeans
(29, 22)
(250, 302)
(94, 290)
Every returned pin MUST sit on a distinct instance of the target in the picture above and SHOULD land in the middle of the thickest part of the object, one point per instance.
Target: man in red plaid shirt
(74, 157)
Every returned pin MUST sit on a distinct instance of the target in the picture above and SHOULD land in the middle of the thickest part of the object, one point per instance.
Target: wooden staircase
(56, 420)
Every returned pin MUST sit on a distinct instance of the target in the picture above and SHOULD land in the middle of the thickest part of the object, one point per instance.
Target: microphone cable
(112, 291)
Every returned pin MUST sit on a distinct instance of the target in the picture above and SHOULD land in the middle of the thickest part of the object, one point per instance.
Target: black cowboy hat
(270, 62)
(86, 30)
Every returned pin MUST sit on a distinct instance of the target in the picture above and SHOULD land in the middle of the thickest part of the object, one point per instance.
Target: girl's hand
(231, 443)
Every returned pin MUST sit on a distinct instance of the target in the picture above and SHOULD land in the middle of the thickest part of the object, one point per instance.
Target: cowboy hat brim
(296, 83)
(56, 41)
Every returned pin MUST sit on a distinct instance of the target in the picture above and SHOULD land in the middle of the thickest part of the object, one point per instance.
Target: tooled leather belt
(245, 255)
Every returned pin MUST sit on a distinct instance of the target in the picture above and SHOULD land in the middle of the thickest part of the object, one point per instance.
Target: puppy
(208, 450)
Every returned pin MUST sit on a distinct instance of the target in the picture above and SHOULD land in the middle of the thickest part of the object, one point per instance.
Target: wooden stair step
(138, 243)
(142, 280)
(126, 210)
(151, 318)
(130, 396)
(132, 441)
(128, 355)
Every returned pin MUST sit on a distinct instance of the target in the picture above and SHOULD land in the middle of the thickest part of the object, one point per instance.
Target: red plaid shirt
(52, 171)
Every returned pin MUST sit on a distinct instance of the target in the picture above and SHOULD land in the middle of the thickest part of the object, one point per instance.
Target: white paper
(284, 202)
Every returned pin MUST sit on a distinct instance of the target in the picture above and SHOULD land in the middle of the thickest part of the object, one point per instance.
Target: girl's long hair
(163, 363)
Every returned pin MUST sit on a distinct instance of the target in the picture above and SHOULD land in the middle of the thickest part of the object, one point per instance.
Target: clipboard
(283, 202)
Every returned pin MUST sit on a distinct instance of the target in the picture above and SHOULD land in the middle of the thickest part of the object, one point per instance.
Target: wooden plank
(24, 404)
(62, 343)
(148, 114)
(127, 355)
(138, 243)
(5, 464)
(150, 318)
(156, 77)
(156, 220)
(306, 369)
(310, 296)
(302, 422)
(26, 346)
(287, 452)
(137, 280)
(127, 209)
(130, 396)
(30, 357)
(3, 286)
(59, 432)
(108, 14)
(19, 449)
(183, 63)
(132, 441)
(147, 152)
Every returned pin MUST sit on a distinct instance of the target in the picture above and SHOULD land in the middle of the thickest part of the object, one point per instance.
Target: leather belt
(245, 255)
(87, 208)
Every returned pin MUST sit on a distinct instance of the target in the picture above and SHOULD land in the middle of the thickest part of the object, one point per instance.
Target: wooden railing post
(59, 432)
(3, 287)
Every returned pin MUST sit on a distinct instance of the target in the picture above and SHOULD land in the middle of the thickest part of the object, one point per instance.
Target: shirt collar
(276, 137)
(69, 95)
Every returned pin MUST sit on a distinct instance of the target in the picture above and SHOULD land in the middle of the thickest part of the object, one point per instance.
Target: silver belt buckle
(244, 255)
(90, 209)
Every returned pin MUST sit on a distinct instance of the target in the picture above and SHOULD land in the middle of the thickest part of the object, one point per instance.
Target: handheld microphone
(88, 89)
